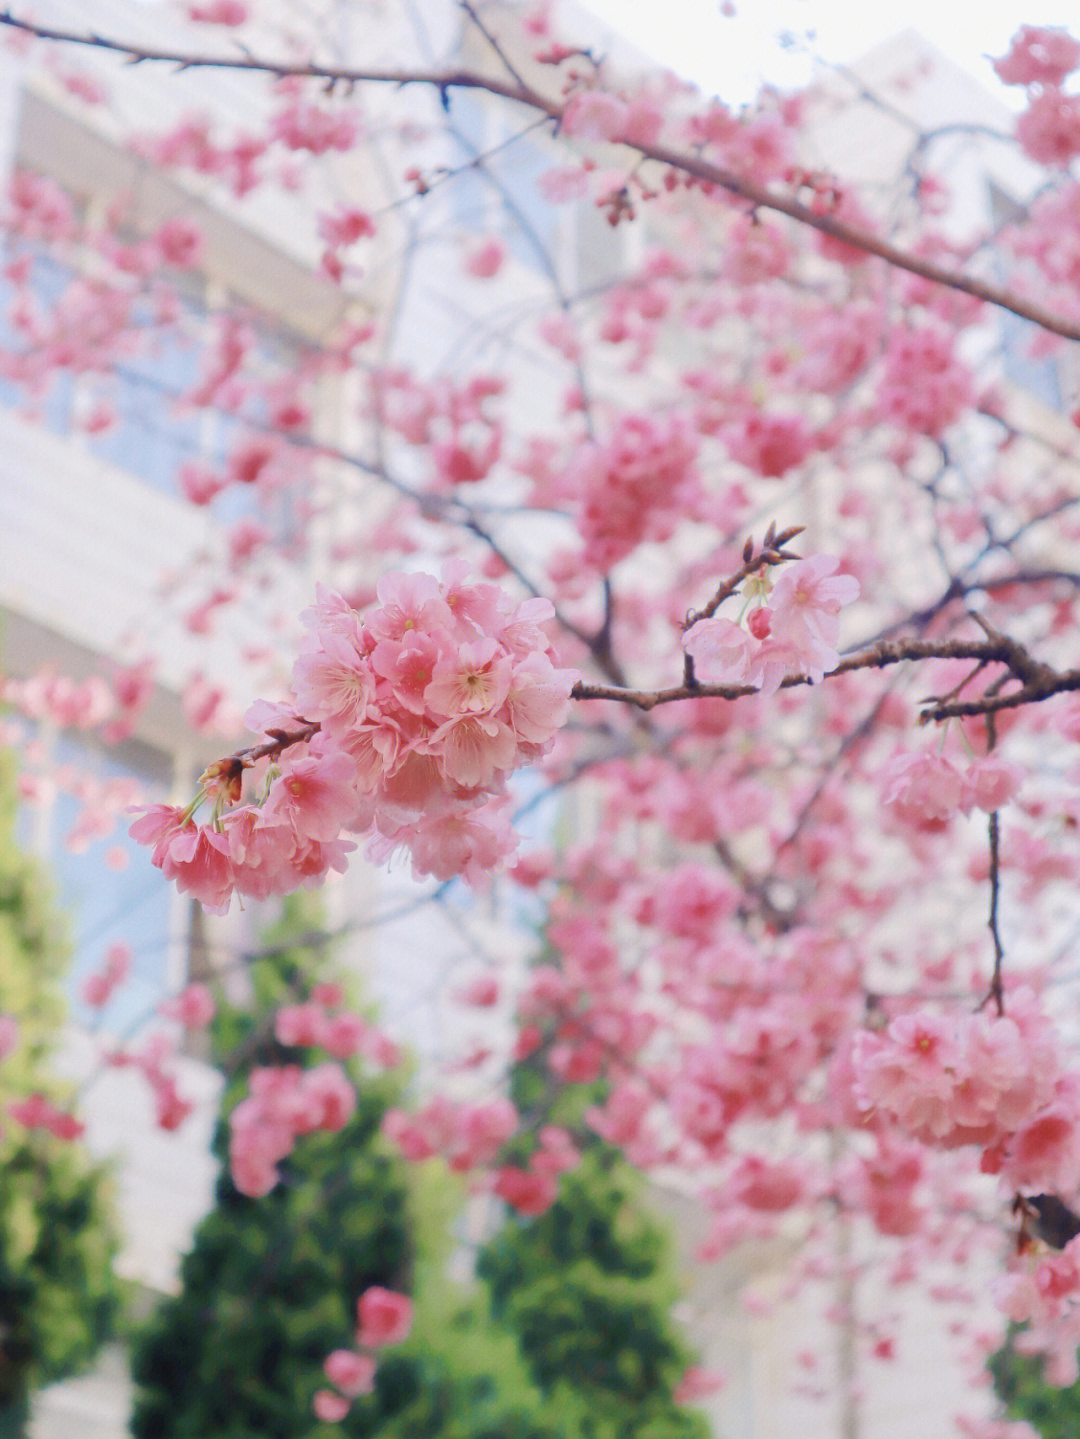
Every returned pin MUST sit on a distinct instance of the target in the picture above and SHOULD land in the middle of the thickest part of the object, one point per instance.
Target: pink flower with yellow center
(475, 680)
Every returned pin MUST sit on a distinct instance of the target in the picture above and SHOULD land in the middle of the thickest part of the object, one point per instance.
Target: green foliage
(270, 1285)
(60, 1298)
(269, 1288)
(585, 1289)
(580, 1346)
(1026, 1394)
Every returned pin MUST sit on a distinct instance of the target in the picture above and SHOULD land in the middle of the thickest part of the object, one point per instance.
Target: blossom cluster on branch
(412, 719)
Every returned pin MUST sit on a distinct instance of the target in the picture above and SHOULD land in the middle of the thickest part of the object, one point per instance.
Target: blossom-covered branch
(742, 186)
(1036, 681)
(413, 718)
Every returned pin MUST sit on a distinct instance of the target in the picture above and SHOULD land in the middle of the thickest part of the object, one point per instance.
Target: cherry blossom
(352, 1373)
(795, 633)
(1039, 55)
(413, 717)
(331, 1408)
(383, 1317)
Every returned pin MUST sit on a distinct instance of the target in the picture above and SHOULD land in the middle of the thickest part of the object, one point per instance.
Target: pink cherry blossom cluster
(193, 1007)
(795, 633)
(177, 244)
(768, 1052)
(86, 331)
(756, 250)
(414, 716)
(999, 1081)
(343, 1035)
(468, 1136)
(633, 486)
(925, 386)
(454, 419)
(770, 444)
(751, 1198)
(153, 1062)
(1042, 58)
(525, 1190)
(884, 1184)
(632, 312)
(383, 1317)
(38, 208)
(1049, 129)
(1039, 55)
(305, 125)
(341, 229)
(84, 704)
(99, 987)
(746, 1028)
(1042, 1291)
(38, 1112)
(189, 144)
(533, 1189)
(285, 1102)
(753, 144)
(924, 789)
(598, 115)
(1050, 238)
(102, 802)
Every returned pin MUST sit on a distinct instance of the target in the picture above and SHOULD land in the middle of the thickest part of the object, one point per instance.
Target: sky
(730, 55)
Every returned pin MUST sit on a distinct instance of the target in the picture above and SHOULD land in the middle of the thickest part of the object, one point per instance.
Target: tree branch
(741, 186)
(1037, 681)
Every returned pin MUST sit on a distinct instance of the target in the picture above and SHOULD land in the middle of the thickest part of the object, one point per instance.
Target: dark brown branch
(996, 993)
(279, 741)
(741, 186)
(1056, 684)
(227, 774)
(755, 888)
(1037, 681)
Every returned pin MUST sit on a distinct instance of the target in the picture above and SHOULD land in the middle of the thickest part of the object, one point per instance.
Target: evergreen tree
(270, 1286)
(580, 1346)
(58, 1295)
(587, 1289)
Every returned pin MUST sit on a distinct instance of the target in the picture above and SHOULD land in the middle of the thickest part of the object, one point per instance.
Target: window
(48, 280)
(104, 887)
(152, 436)
(510, 203)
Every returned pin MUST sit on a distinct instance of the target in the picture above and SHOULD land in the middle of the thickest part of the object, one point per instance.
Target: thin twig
(996, 989)
(492, 40)
(771, 553)
(1038, 681)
